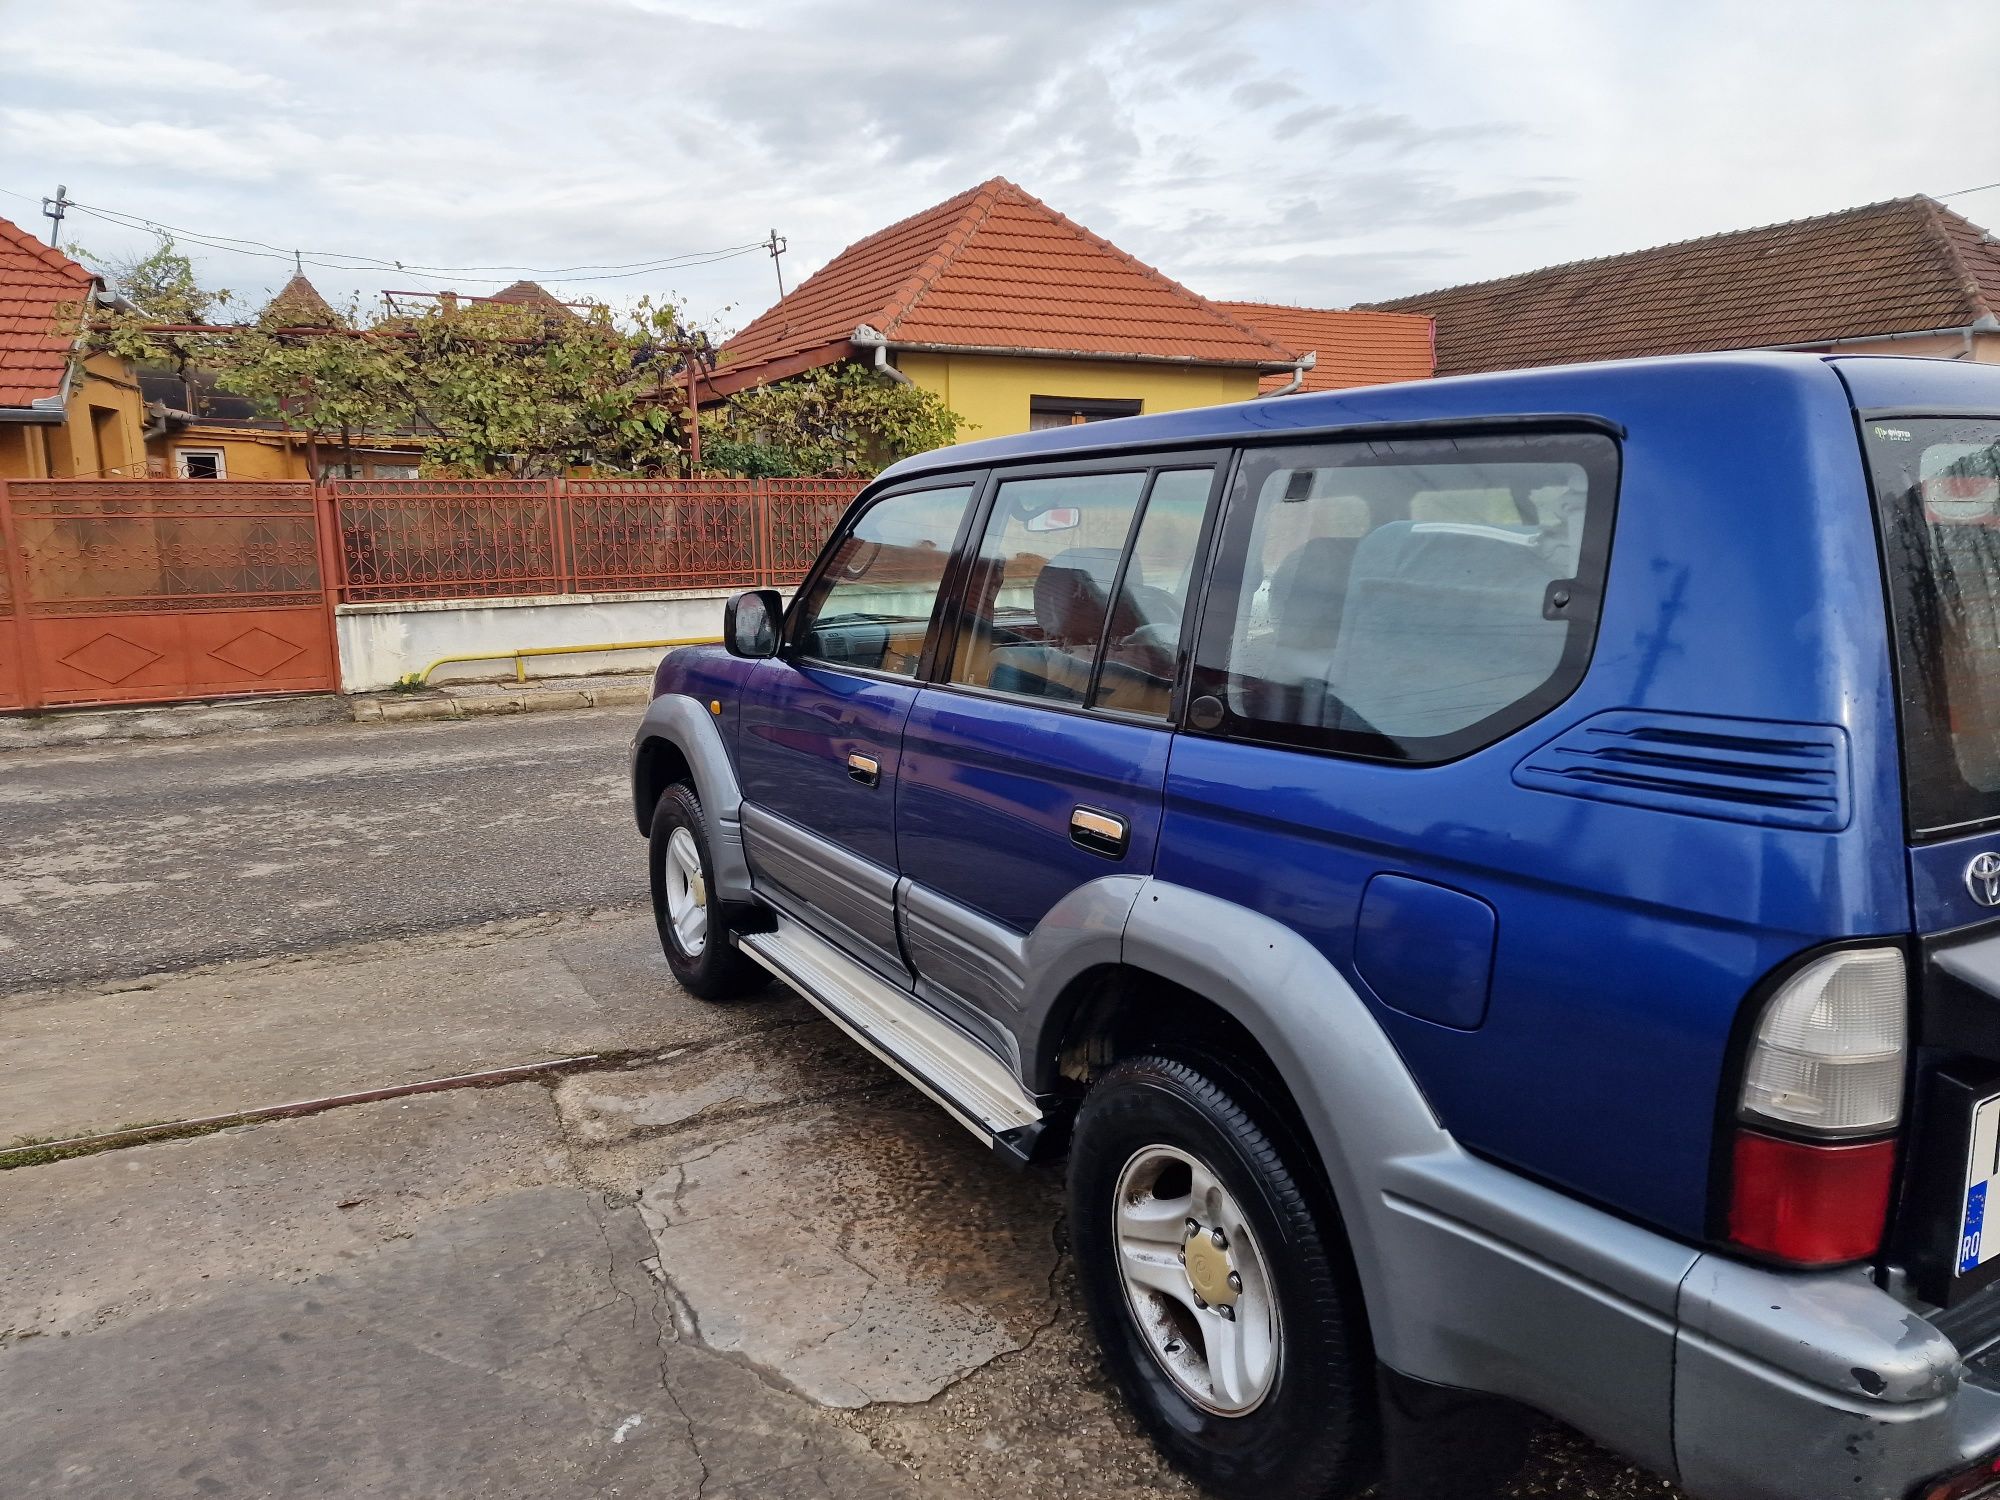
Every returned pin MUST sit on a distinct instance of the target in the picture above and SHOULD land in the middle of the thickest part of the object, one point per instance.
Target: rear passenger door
(1035, 762)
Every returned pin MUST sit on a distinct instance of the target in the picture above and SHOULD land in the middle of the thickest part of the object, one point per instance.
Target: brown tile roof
(1896, 267)
(995, 268)
(298, 305)
(530, 294)
(1354, 348)
(36, 284)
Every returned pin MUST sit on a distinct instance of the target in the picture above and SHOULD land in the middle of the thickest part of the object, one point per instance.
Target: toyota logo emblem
(1982, 878)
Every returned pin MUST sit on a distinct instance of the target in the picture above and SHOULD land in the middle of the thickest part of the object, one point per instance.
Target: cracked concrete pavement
(735, 1259)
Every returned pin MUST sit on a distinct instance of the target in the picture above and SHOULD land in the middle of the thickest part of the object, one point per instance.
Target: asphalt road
(133, 858)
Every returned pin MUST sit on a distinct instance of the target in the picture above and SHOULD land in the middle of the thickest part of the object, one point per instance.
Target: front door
(1038, 764)
(822, 723)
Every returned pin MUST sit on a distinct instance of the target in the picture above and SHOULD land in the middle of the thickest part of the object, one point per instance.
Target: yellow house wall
(244, 455)
(71, 449)
(20, 451)
(991, 392)
(106, 384)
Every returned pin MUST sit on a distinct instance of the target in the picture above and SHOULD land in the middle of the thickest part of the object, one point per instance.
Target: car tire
(1301, 1419)
(697, 931)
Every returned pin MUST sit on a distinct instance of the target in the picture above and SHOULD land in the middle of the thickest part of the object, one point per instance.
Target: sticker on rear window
(1893, 434)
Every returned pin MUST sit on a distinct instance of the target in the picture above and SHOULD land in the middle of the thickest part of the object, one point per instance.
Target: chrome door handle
(1099, 832)
(863, 768)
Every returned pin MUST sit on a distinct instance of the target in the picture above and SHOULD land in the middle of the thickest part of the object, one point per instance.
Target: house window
(200, 463)
(1068, 411)
(392, 471)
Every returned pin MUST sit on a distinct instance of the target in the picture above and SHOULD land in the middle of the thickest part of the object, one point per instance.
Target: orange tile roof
(1354, 348)
(36, 284)
(1896, 267)
(995, 268)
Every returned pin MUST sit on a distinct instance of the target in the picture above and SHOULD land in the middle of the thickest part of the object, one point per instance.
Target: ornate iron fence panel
(800, 516)
(629, 534)
(142, 590)
(449, 538)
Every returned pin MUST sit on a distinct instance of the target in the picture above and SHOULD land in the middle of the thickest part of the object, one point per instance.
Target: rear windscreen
(1937, 482)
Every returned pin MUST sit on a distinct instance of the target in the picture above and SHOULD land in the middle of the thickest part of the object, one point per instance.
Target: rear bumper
(1806, 1387)
(1744, 1383)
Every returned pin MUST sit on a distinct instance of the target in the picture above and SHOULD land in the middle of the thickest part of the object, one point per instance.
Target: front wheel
(697, 930)
(1220, 1287)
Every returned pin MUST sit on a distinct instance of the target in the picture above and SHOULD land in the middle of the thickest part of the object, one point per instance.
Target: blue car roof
(1580, 389)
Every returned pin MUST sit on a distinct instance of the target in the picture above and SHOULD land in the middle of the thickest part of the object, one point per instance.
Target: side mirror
(750, 623)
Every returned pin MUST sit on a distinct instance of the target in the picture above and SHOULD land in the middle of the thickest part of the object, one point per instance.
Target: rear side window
(1406, 600)
(870, 606)
(1937, 484)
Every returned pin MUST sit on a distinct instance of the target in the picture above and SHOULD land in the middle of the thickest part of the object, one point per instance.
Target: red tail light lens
(1813, 1205)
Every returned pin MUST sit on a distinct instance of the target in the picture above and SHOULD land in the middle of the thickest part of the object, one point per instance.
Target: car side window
(1142, 647)
(1406, 600)
(871, 605)
(1039, 594)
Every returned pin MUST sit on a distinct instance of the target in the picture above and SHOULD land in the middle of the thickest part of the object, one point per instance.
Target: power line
(335, 260)
(1984, 187)
(376, 262)
(234, 246)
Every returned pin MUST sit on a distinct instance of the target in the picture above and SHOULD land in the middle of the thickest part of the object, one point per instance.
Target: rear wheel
(697, 930)
(1219, 1287)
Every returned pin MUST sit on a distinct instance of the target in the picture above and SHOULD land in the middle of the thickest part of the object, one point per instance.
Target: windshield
(1937, 481)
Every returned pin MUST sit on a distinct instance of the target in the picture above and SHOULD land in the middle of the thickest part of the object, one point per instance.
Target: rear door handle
(1099, 832)
(864, 768)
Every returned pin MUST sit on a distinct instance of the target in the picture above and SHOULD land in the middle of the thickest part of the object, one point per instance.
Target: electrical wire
(1984, 187)
(373, 262)
(318, 262)
(336, 260)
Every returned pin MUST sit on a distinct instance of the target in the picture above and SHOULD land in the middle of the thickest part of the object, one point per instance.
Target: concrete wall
(992, 392)
(381, 643)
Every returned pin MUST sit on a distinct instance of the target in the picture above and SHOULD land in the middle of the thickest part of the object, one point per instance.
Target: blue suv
(1493, 883)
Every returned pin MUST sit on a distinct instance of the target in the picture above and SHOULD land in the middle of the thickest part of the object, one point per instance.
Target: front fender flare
(686, 724)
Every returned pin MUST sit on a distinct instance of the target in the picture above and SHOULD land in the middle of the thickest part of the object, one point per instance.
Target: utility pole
(54, 208)
(777, 248)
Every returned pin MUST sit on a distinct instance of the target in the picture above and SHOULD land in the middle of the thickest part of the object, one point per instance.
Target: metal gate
(134, 591)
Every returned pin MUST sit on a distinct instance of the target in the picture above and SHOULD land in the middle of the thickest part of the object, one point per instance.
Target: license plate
(1982, 1171)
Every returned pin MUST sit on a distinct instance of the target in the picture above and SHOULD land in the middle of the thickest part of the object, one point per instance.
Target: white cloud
(1317, 151)
(88, 58)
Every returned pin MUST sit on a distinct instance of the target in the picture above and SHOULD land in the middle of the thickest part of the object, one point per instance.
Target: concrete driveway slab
(241, 1035)
(862, 1251)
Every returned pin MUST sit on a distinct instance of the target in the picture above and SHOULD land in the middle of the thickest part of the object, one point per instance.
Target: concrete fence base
(380, 644)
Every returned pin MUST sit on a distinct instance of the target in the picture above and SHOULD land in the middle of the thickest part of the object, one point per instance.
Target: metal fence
(128, 591)
(469, 539)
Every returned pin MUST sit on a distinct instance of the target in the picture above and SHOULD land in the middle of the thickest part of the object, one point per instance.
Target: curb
(401, 707)
(180, 721)
(77, 728)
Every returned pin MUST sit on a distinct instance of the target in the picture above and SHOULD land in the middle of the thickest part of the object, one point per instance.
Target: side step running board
(972, 1085)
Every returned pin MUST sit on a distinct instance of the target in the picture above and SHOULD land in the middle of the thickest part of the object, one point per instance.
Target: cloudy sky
(1311, 151)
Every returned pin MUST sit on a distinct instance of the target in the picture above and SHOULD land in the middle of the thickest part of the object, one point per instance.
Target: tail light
(1814, 1152)
(1980, 1482)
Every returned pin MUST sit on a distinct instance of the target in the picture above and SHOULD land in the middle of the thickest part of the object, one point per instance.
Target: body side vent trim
(1775, 775)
